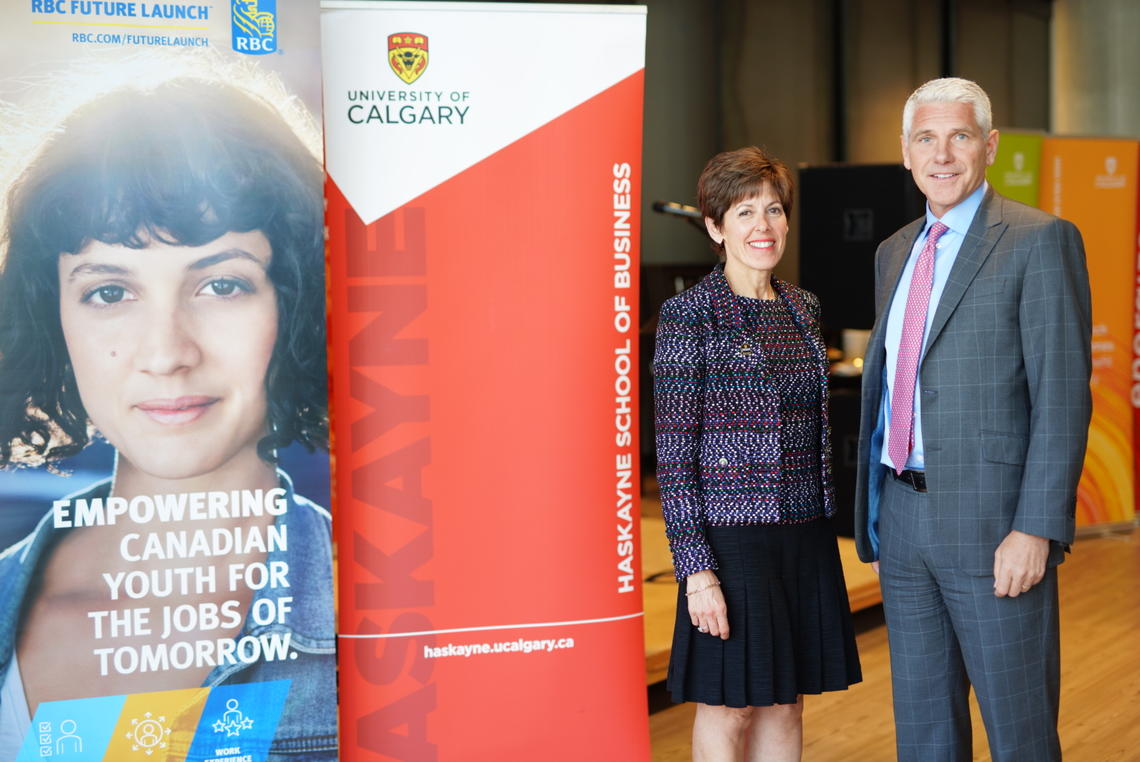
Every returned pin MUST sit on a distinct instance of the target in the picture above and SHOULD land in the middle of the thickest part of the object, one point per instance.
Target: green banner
(1016, 173)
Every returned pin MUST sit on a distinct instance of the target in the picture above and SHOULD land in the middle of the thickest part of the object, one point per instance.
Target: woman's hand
(707, 609)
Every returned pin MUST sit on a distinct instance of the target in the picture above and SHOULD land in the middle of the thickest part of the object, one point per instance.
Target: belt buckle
(917, 480)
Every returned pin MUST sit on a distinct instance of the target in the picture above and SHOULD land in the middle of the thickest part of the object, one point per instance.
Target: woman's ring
(702, 629)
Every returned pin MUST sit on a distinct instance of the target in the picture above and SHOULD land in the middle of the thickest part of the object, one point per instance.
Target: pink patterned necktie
(906, 365)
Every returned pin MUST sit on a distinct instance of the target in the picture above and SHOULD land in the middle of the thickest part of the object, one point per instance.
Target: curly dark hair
(733, 176)
(183, 164)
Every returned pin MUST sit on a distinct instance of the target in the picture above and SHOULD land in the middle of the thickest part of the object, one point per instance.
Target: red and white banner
(483, 196)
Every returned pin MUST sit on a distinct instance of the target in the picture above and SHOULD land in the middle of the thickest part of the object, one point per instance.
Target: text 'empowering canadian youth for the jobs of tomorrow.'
(187, 620)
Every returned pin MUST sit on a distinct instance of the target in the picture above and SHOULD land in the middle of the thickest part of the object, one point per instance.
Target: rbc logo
(254, 24)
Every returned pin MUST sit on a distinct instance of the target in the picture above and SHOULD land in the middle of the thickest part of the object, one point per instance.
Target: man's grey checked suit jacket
(1005, 385)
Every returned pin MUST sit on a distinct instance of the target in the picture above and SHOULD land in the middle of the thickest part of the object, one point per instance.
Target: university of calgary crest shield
(408, 55)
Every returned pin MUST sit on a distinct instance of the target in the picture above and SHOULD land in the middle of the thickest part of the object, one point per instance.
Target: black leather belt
(915, 479)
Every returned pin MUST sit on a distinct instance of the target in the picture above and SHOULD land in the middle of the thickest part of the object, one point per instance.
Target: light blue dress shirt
(958, 220)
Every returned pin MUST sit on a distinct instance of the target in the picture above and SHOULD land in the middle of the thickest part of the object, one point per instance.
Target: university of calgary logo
(408, 55)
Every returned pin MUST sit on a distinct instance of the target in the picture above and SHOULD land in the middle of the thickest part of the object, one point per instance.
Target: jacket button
(723, 461)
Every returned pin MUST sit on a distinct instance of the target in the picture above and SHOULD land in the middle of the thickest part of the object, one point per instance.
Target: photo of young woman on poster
(162, 288)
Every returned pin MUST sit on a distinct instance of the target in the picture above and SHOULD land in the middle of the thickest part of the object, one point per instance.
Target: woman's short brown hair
(732, 176)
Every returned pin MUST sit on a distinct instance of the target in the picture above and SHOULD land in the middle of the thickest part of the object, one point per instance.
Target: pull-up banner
(484, 171)
(1093, 183)
(166, 564)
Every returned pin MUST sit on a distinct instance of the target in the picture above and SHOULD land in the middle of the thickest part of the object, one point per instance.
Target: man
(975, 417)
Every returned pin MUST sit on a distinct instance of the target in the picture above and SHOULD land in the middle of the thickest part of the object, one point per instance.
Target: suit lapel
(724, 305)
(895, 259)
(981, 238)
(803, 318)
(895, 263)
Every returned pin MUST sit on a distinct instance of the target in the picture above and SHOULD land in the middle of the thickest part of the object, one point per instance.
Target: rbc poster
(166, 586)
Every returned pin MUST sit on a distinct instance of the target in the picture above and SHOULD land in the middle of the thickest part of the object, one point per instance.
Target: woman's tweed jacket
(718, 417)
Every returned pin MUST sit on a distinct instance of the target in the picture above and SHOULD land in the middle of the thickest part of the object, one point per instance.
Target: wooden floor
(1100, 674)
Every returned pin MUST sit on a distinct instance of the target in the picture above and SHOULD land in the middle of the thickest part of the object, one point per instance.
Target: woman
(161, 286)
(743, 464)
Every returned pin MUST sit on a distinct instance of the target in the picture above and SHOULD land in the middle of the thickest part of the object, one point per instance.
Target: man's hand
(1019, 563)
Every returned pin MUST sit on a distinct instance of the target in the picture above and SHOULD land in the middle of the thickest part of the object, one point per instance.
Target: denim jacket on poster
(308, 725)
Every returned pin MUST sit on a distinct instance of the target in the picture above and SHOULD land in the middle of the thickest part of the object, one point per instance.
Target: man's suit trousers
(948, 630)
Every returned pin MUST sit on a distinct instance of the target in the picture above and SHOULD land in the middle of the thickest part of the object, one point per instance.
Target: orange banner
(1093, 184)
(1136, 341)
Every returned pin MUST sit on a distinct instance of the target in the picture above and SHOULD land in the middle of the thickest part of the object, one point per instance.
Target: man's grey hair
(950, 90)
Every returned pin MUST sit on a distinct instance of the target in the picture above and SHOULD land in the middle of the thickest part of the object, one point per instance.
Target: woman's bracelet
(709, 586)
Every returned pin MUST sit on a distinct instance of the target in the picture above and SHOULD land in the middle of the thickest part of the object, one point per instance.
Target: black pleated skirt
(789, 620)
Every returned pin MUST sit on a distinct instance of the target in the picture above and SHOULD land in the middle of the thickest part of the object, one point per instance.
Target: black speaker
(846, 211)
(844, 415)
